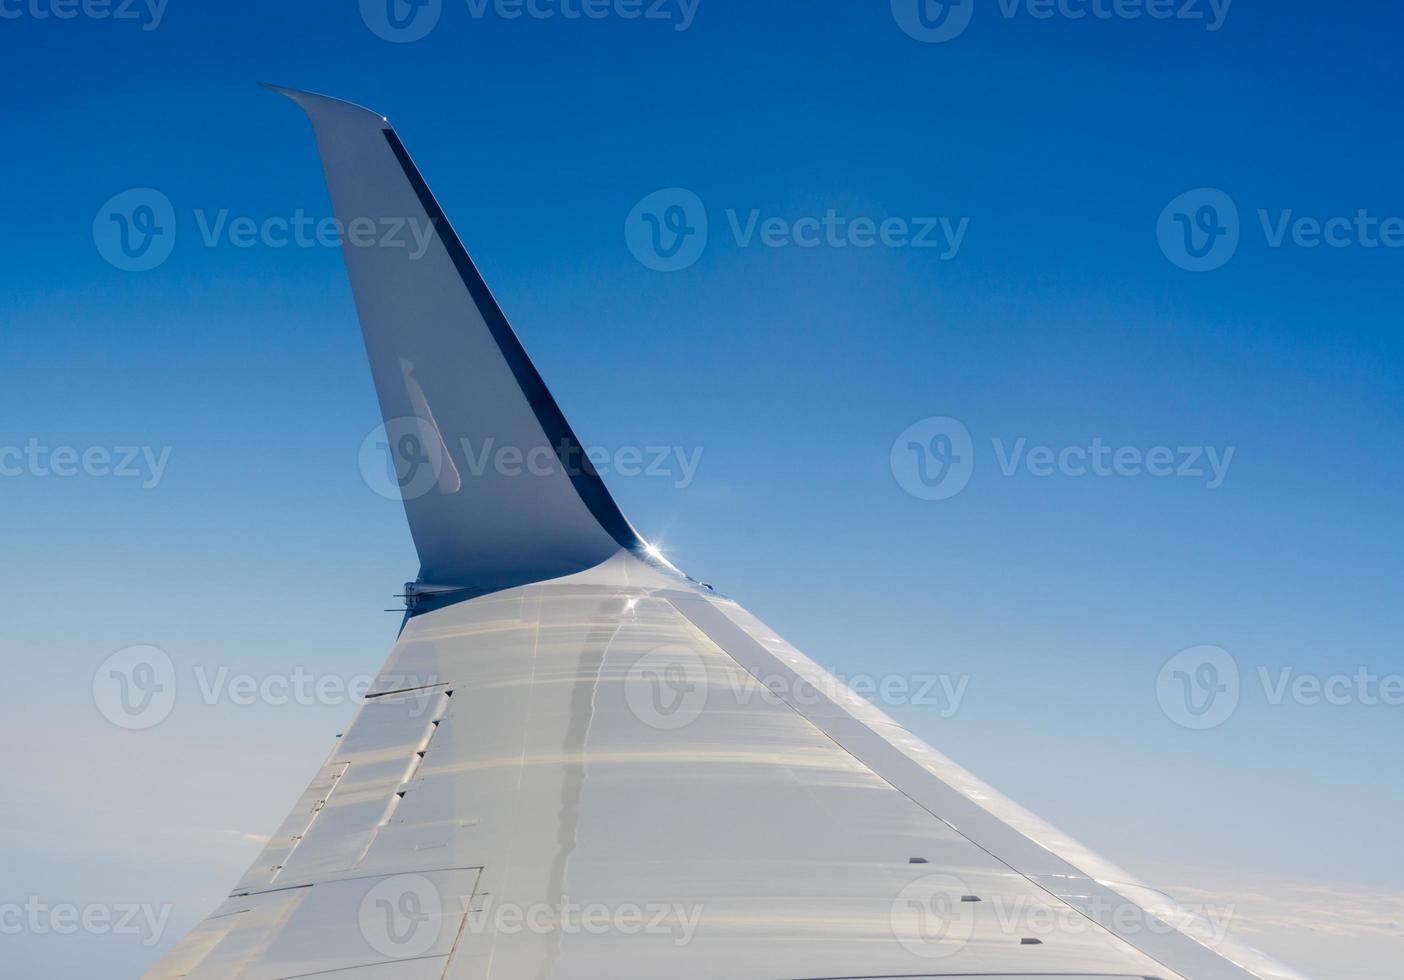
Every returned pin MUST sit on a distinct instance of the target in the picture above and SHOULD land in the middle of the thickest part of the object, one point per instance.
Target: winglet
(496, 486)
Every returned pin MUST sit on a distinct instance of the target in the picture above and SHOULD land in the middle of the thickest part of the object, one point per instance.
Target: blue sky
(1062, 144)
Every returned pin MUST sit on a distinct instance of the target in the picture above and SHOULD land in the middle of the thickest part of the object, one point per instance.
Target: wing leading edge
(581, 764)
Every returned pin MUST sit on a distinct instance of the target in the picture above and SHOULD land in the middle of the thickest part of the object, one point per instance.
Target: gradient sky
(1060, 320)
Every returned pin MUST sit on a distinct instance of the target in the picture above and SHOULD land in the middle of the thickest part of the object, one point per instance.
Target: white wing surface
(580, 764)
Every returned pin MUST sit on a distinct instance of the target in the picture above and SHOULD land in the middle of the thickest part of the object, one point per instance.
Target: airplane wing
(579, 763)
